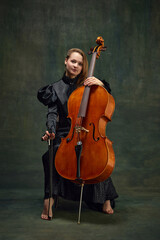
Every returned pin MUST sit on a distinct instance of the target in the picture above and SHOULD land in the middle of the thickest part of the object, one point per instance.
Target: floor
(136, 217)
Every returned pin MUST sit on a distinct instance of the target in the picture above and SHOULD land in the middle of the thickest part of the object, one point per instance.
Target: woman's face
(74, 64)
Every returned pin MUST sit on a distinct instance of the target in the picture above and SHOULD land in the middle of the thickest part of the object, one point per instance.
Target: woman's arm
(51, 122)
(47, 96)
(95, 81)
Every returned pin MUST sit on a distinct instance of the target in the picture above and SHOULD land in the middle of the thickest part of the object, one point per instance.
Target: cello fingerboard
(85, 97)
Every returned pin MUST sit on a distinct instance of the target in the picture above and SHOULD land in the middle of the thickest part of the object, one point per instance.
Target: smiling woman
(98, 196)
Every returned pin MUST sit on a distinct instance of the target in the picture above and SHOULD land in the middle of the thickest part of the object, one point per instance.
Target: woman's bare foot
(107, 207)
(44, 214)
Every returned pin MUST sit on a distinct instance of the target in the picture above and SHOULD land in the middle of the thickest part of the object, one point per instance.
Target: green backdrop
(35, 36)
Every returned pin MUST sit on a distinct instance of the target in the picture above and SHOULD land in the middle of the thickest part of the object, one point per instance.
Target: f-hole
(96, 140)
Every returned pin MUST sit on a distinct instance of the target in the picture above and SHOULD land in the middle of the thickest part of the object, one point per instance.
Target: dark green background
(35, 36)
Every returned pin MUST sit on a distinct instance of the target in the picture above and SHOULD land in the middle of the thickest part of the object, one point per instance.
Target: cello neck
(85, 98)
(92, 65)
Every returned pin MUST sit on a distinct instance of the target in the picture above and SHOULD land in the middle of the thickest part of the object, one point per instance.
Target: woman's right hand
(48, 135)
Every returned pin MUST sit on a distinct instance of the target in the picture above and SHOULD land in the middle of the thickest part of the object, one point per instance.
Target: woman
(98, 196)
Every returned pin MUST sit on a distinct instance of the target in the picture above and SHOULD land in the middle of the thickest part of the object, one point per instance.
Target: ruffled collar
(68, 80)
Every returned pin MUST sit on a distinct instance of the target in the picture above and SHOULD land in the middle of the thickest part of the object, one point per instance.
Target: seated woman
(98, 196)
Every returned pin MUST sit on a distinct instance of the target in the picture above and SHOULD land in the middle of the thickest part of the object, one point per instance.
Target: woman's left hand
(93, 81)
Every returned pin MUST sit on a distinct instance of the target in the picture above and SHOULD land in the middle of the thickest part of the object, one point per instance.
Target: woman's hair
(84, 72)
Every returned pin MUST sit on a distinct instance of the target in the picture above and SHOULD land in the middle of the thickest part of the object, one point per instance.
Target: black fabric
(55, 96)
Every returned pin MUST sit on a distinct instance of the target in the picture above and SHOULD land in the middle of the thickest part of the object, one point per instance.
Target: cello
(86, 155)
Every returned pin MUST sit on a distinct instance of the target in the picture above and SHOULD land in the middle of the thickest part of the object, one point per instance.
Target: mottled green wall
(34, 37)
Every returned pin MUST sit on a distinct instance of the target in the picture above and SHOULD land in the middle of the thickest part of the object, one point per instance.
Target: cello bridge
(80, 128)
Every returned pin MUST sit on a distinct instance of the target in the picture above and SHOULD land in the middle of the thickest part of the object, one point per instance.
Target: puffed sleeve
(48, 97)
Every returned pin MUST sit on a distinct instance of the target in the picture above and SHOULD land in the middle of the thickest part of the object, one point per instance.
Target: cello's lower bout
(109, 166)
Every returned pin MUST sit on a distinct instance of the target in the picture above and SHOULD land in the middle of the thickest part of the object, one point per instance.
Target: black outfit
(55, 96)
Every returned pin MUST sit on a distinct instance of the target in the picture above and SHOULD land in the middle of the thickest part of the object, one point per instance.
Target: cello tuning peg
(91, 51)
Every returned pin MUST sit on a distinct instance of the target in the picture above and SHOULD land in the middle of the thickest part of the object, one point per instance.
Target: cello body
(96, 159)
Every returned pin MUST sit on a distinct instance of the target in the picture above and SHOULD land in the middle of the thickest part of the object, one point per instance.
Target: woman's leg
(49, 200)
(47, 209)
(107, 208)
(101, 196)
